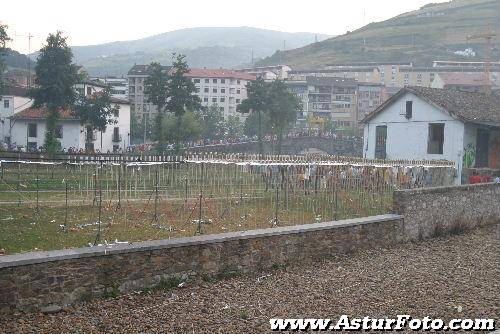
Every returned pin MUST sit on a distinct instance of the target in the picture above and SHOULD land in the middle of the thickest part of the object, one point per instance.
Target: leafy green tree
(256, 101)
(156, 90)
(234, 127)
(251, 125)
(96, 111)
(182, 94)
(283, 108)
(136, 127)
(55, 77)
(182, 128)
(213, 122)
(4, 38)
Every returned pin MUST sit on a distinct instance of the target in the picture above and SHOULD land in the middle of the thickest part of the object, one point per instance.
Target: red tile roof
(42, 113)
(207, 73)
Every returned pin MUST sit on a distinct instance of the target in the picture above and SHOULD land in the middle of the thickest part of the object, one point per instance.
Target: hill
(204, 47)
(16, 60)
(433, 32)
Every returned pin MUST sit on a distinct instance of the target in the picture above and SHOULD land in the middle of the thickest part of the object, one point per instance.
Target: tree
(213, 122)
(4, 38)
(156, 89)
(256, 101)
(234, 127)
(251, 126)
(283, 107)
(55, 77)
(182, 93)
(96, 111)
(182, 128)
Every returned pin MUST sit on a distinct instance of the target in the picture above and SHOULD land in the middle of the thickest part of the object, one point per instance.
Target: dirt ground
(452, 277)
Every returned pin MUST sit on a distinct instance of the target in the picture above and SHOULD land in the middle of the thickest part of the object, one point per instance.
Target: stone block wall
(57, 278)
(435, 211)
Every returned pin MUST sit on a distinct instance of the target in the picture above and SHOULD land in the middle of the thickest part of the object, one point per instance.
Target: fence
(84, 200)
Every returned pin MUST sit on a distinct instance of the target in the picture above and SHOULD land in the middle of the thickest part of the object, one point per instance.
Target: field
(53, 206)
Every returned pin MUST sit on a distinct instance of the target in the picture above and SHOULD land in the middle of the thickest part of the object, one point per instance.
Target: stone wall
(53, 279)
(442, 210)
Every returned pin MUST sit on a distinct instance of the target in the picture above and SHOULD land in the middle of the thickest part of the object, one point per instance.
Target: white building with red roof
(221, 87)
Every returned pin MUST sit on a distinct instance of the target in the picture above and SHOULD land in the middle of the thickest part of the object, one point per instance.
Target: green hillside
(204, 47)
(434, 32)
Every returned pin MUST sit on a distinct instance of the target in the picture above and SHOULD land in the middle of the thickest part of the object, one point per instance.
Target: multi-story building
(388, 71)
(139, 105)
(362, 74)
(268, 73)
(224, 88)
(117, 85)
(466, 82)
(15, 99)
(344, 101)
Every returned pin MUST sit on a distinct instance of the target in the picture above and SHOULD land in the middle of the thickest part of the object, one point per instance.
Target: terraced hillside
(433, 32)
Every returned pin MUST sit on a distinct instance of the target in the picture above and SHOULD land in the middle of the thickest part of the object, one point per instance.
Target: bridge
(290, 146)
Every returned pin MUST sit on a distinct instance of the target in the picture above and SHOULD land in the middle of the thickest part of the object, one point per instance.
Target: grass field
(50, 207)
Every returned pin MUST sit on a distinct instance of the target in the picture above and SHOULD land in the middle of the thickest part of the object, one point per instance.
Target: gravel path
(454, 277)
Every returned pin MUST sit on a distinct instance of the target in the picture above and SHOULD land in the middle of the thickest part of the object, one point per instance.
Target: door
(380, 142)
(482, 148)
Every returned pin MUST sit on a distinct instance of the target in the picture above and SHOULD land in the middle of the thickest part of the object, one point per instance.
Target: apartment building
(117, 85)
(268, 73)
(224, 88)
(362, 74)
(345, 101)
(388, 72)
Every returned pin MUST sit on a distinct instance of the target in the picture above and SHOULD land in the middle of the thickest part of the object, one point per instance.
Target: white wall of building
(7, 109)
(408, 138)
(73, 133)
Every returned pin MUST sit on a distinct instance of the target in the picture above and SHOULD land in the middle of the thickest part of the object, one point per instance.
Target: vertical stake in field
(37, 190)
(200, 210)
(156, 195)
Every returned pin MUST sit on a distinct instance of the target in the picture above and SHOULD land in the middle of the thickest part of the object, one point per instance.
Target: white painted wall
(74, 133)
(15, 104)
(407, 139)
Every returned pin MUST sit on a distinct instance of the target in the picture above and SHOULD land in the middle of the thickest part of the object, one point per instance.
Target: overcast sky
(99, 21)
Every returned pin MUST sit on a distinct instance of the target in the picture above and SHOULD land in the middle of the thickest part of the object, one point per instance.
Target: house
(430, 123)
(29, 125)
(15, 99)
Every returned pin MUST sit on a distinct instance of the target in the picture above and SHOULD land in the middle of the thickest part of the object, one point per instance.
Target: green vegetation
(431, 33)
(234, 199)
(3, 39)
(55, 77)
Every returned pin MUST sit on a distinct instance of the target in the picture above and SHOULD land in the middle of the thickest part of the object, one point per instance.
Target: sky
(99, 21)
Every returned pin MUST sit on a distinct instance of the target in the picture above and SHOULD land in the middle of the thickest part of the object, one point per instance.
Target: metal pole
(37, 189)
(200, 211)
(156, 195)
(66, 203)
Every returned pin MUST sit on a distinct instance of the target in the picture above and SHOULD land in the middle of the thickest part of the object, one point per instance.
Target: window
(238, 91)
(223, 90)
(238, 100)
(6, 103)
(206, 90)
(89, 90)
(116, 134)
(214, 90)
(223, 99)
(196, 81)
(436, 138)
(238, 82)
(59, 131)
(214, 80)
(205, 99)
(32, 130)
(222, 80)
(409, 109)
(214, 99)
(207, 80)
